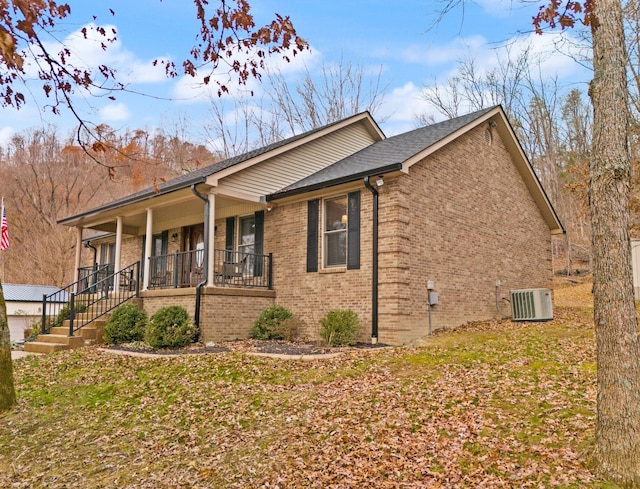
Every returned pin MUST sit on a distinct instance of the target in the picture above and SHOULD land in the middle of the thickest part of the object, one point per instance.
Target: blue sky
(393, 37)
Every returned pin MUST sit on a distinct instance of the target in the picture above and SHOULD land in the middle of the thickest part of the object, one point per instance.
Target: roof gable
(404, 150)
(390, 151)
(212, 173)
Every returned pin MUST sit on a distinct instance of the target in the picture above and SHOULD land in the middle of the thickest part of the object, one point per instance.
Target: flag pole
(2, 254)
(4, 244)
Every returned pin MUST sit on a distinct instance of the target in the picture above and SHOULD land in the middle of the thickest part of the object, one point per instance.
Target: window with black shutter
(340, 228)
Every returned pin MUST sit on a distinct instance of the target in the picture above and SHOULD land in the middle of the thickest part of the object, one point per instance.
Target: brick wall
(310, 295)
(228, 314)
(225, 314)
(462, 218)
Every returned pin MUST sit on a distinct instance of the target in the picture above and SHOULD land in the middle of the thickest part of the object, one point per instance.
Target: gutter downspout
(95, 253)
(374, 273)
(205, 261)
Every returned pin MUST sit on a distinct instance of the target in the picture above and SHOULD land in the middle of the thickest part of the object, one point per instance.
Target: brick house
(339, 217)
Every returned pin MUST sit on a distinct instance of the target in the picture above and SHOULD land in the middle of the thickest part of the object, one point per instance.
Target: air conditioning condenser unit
(531, 305)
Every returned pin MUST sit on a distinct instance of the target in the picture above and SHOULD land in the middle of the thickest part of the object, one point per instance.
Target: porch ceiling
(179, 208)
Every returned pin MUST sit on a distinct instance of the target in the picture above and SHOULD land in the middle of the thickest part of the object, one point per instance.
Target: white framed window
(334, 232)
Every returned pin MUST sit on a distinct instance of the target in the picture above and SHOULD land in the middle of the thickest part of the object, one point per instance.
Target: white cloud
(114, 113)
(550, 56)
(193, 90)
(297, 63)
(5, 135)
(95, 50)
(401, 108)
(553, 52)
(444, 54)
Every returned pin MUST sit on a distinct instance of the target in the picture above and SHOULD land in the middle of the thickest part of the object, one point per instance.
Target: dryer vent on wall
(531, 305)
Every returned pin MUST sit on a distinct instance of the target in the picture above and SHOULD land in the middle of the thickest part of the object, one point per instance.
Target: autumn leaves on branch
(228, 35)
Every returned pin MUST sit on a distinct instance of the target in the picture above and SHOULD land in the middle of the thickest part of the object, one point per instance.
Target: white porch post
(211, 238)
(147, 250)
(118, 265)
(76, 271)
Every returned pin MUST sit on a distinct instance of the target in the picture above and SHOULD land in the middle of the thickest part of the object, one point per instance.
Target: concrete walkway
(15, 354)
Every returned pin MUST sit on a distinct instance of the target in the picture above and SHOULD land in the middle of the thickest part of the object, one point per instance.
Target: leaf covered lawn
(495, 404)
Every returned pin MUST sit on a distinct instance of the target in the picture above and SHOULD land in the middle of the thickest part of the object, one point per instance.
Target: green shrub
(268, 325)
(34, 331)
(170, 327)
(126, 324)
(340, 327)
(289, 328)
(65, 313)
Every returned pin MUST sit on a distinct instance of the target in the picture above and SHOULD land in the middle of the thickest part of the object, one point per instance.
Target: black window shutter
(230, 231)
(258, 243)
(353, 231)
(165, 242)
(313, 210)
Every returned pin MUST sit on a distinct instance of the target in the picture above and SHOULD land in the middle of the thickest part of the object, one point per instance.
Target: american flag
(4, 228)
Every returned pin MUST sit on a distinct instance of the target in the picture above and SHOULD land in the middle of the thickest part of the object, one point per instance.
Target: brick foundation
(225, 314)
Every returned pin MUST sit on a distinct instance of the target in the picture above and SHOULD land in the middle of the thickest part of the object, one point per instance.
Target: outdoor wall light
(174, 237)
(380, 181)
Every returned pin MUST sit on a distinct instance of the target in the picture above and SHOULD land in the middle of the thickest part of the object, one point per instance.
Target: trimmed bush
(289, 328)
(126, 324)
(268, 326)
(170, 327)
(340, 327)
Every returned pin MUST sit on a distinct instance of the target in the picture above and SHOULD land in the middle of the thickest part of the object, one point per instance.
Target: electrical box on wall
(433, 298)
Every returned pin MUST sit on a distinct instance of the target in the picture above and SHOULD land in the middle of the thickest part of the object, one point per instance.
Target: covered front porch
(183, 238)
(230, 269)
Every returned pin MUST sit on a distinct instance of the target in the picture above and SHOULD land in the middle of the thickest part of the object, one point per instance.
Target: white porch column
(211, 238)
(76, 271)
(147, 250)
(117, 265)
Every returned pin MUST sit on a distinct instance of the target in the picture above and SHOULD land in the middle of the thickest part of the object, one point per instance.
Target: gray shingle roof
(395, 149)
(27, 293)
(199, 175)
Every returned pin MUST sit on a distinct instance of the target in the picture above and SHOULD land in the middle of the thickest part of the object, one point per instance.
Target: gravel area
(274, 347)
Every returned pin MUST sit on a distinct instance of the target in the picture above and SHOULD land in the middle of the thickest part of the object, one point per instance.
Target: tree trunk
(7, 390)
(568, 255)
(618, 346)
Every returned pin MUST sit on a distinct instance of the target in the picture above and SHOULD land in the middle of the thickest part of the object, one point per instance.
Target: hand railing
(89, 298)
(180, 269)
(240, 269)
(230, 268)
(89, 276)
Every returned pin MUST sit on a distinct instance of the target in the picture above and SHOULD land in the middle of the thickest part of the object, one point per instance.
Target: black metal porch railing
(89, 298)
(240, 269)
(89, 276)
(181, 269)
(230, 268)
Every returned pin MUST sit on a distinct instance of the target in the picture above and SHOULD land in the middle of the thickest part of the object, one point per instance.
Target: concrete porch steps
(58, 338)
